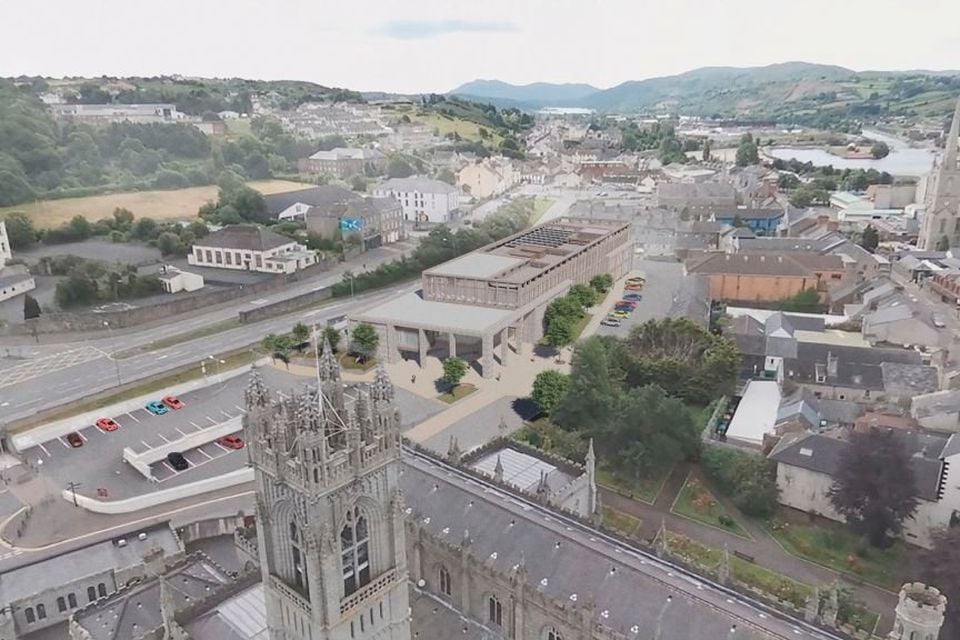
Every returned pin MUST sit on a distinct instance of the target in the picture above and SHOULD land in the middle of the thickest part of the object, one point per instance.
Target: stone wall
(285, 306)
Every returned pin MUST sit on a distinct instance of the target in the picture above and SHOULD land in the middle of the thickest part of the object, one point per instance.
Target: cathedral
(941, 220)
(361, 536)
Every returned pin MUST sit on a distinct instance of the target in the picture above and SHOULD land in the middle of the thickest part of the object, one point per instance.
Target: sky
(435, 45)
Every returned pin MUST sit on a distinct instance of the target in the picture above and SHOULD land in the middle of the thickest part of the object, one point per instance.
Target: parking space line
(221, 446)
(209, 457)
(135, 419)
(163, 437)
(180, 432)
(65, 445)
(226, 414)
(145, 445)
(171, 469)
(44, 449)
(82, 437)
(211, 420)
(240, 409)
(195, 425)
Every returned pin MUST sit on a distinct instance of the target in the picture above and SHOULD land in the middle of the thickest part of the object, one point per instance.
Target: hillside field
(159, 205)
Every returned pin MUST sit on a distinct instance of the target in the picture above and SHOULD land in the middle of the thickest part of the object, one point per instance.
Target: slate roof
(922, 406)
(747, 214)
(322, 196)
(564, 563)
(909, 379)
(243, 237)
(822, 454)
(8, 278)
(857, 367)
(416, 183)
(767, 264)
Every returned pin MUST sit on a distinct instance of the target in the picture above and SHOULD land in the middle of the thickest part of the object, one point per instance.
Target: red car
(173, 402)
(108, 424)
(627, 303)
(231, 442)
(74, 439)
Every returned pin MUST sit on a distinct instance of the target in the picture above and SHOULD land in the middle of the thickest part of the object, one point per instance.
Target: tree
(122, 219)
(563, 308)
(144, 228)
(301, 333)
(399, 168)
(751, 480)
(943, 244)
(788, 181)
(874, 486)
(602, 282)
(332, 336)
(940, 566)
(169, 243)
(585, 295)
(879, 150)
(358, 183)
(31, 308)
(559, 333)
(365, 340)
(738, 221)
(747, 151)
(706, 151)
(870, 238)
(807, 301)
(454, 369)
(278, 346)
(549, 388)
(595, 387)
(20, 230)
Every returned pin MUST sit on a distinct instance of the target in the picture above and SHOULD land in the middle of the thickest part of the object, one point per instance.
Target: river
(903, 160)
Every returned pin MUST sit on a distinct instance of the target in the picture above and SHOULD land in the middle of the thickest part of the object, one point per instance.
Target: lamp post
(115, 361)
(218, 362)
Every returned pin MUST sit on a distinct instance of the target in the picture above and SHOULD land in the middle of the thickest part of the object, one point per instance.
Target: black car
(177, 461)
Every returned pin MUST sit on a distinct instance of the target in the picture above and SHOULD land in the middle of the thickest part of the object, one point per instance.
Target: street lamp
(115, 361)
(203, 367)
(349, 274)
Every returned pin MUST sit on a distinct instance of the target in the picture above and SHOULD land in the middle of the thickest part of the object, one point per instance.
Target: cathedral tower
(942, 201)
(920, 613)
(329, 509)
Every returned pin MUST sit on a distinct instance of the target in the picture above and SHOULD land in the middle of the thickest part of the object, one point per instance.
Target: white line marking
(227, 415)
(135, 419)
(163, 437)
(167, 465)
(82, 437)
(145, 445)
(65, 445)
(209, 457)
(221, 446)
(44, 449)
(240, 409)
(211, 420)
(195, 425)
(180, 432)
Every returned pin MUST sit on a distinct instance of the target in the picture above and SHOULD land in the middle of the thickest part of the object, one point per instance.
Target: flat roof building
(474, 303)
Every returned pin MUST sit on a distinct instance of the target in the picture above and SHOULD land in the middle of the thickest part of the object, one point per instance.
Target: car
(74, 439)
(633, 287)
(156, 408)
(633, 297)
(173, 402)
(610, 322)
(107, 424)
(938, 321)
(177, 461)
(636, 279)
(619, 314)
(231, 442)
(627, 303)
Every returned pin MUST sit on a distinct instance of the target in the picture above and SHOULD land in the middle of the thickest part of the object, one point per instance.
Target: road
(74, 371)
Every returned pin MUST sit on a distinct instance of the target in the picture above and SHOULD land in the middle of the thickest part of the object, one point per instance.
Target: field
(159, 205)
(464, 128)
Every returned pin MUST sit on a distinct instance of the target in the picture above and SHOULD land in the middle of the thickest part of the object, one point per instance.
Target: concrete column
(537, 323)
(422, 343)
(486, 356)
(392, 349)
(504, 346)
(452, 340)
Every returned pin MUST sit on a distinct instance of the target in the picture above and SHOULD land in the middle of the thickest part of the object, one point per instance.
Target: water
(902, 161)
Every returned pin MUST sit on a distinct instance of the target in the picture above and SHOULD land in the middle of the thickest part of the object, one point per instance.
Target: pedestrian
(413, 379)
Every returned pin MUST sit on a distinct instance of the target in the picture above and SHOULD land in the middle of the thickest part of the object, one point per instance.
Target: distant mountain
(538, 94)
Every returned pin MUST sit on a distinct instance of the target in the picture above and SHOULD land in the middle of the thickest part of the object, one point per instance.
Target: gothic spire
(256, 394)
(498, 470)
(327, 366)
(382, 389)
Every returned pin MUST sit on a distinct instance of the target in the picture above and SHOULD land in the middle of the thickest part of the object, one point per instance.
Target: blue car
(633, 297)
(157, 408)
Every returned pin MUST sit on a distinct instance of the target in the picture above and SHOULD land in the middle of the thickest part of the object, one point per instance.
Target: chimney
(831, 365)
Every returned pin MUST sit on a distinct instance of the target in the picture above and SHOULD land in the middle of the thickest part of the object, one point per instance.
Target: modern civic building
(496, 295)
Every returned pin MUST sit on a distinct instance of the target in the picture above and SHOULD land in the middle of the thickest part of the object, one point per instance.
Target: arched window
(61, 604)
(299, 563)
(41, 612)
(553, 634)
(495, 611)
(91, 594)
(102, 590)
(355, 552)
(28, 612)
(444, 579)
(72, 600)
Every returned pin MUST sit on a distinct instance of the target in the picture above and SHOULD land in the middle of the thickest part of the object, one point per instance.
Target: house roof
(347, 153)
(324, 195)
(754, 264)
(909, 379)
(747, 214)
(857, 367)
(244, 237)
(416, 183)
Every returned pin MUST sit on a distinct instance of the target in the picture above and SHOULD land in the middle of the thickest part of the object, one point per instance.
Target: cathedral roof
(573, 565)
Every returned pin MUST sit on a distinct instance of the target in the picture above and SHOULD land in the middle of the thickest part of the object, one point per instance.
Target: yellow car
(619, 314)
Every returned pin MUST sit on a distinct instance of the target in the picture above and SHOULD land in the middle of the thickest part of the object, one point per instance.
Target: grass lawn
(644, 489)
(833, 545)
(349, 361)
(697, 503)
(460, 391)
(154, 384)
(540, 206)
(620, 521)
(178, 204)
(466, 129)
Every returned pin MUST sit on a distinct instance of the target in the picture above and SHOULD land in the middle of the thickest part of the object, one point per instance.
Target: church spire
(327, 366)
(381, 389)
(256, 394)
(950, 155)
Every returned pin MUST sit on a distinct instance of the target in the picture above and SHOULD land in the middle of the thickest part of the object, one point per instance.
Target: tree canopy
(549, 387)
(454, 369)
(365, 340)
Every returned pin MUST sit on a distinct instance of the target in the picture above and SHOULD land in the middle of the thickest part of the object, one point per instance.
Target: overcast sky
(435, 45)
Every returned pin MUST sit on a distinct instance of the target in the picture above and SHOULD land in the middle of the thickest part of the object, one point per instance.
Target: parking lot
(97, 467)
(666, 293)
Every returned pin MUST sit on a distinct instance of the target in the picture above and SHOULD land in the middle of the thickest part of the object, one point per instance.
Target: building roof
(416, 183)
(95, 559)
(9, 278)
(757, 413)
(936, 403)
(566, 563)
(348, 153)
(245, 238)
(322, 196)
(695, 190)
(241, 617)
(522, 469)
(909, 380)
(476, 265)
(747, 214)
(764, 264)
(413, 310)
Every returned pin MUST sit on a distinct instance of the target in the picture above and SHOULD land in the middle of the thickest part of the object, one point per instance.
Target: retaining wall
(288, 305)
(142, 461)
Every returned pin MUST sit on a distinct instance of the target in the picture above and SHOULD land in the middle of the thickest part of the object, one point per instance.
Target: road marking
(195, 425)
(209, 457)
(44, 449)
(212, 420)
(227, 415)
(240, 409)
(177, 429)
(221, 446)
(172, 470)
(82, 437)
(163, 437)
(65, 445)
(135, 419)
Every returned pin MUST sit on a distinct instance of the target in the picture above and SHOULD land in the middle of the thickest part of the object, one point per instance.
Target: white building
(12, 282)
(6, 253)
(106, 113)
(489, 178)
(250, 248)
(422, 199)
(175, 280)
